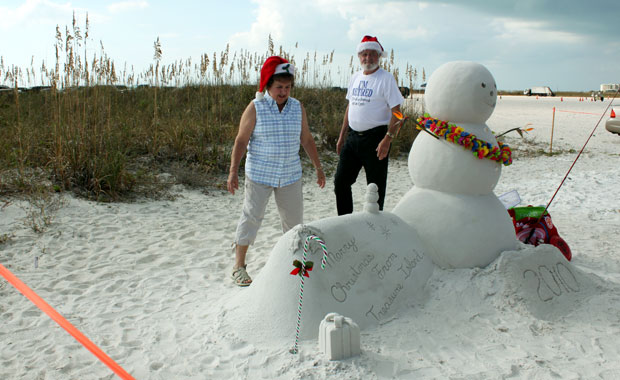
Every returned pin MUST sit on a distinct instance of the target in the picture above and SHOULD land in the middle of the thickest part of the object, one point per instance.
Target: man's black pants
(360, 150)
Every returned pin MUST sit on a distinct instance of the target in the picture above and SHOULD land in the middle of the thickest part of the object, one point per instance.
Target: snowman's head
(462, 92)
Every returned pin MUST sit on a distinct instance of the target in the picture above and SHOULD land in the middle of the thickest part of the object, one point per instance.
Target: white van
(540, 90)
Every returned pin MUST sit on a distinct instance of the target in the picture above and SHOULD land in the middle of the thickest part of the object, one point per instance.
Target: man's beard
(370, 66)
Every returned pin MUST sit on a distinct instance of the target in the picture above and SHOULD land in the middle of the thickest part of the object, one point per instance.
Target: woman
(270, 130)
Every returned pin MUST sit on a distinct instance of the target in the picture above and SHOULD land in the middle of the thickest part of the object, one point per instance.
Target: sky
(568, 45)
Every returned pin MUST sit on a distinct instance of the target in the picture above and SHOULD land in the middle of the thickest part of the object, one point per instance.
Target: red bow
(299, 266)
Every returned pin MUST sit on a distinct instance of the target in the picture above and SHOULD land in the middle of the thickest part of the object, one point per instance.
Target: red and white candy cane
(294, 350)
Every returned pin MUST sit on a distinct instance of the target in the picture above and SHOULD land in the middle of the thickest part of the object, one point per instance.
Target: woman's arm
(246, 127)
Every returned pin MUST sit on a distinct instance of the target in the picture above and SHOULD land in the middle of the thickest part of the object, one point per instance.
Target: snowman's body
(452, 204)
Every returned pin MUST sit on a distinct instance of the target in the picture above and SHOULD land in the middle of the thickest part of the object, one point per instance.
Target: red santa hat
(272, 66)
(371, 43)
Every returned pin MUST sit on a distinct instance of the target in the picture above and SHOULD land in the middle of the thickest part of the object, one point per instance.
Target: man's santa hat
(272, 66)
(371, 43)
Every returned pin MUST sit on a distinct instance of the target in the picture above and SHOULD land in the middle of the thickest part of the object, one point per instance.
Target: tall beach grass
(85, 124)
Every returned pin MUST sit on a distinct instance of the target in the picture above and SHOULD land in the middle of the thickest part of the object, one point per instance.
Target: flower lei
(457, 135)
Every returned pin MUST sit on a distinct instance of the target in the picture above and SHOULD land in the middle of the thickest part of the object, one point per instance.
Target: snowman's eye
(483, 85)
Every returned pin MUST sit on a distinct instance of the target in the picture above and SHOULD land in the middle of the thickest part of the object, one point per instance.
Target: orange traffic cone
(613, 114)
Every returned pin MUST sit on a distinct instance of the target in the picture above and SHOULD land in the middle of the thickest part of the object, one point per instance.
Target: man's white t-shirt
(371, 99)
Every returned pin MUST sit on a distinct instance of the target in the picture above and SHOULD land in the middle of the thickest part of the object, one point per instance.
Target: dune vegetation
(84, 124)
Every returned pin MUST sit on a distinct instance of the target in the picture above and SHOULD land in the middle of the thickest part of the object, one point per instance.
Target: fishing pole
(573, 164)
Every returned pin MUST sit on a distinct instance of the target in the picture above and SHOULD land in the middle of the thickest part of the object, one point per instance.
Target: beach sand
(148, 282)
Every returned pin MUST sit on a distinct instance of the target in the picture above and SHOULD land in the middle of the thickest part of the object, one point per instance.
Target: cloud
(534, 31)
(386, 20)
(382, 18)
(527, 39)
(312, 30)
(34, 12)
(270, 20)
(125, 6)
(592, 18)
(342, 24)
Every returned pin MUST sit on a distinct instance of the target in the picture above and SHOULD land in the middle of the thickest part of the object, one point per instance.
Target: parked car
(613, 125)
(405, 92)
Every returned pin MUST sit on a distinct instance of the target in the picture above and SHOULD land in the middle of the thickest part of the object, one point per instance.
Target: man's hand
(384, 147)
(339, 145)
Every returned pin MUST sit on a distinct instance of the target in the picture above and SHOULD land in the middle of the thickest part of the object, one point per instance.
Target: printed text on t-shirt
(363, 90)
(361, 94)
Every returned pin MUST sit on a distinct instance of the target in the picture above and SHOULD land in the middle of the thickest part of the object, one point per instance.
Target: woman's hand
(320, 177)
(233, 182)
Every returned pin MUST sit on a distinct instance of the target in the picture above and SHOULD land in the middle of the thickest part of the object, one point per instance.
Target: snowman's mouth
(491, 104)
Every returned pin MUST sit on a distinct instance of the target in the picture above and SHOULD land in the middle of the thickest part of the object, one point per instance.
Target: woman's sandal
(241, 277)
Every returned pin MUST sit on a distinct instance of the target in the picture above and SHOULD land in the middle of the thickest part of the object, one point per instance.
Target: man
(369, 126)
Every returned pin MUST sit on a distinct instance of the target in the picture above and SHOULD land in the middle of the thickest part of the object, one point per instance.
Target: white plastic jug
(339, 337)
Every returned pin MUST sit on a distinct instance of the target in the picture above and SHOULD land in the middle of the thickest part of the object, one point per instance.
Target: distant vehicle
(405, 92)
(613, 125)
(338, 89)
(40, 88)
(598, 95)
(540, 90)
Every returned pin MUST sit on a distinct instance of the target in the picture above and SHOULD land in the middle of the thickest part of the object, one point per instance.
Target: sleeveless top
(273, 150)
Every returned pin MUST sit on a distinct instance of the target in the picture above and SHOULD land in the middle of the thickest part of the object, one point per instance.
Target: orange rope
(47, 309)
(585, 113)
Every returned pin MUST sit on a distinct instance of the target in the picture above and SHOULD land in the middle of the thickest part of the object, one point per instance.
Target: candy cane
(294, 350)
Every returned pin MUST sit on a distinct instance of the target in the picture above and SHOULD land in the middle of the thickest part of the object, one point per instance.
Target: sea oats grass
(108, 133)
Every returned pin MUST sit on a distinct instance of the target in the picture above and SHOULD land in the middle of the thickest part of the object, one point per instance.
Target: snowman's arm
(393, 126)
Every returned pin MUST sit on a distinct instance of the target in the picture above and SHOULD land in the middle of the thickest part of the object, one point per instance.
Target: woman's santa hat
(272, 66)
(371, 43)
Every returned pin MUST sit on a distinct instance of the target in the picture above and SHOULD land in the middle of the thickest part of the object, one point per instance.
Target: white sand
(148, 282)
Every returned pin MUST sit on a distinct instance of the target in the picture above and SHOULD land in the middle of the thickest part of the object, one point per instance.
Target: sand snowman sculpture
(452, 205)
(379, 261)
(376, 264)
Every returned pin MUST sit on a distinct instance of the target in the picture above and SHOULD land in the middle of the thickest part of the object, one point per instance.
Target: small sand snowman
(452, 204)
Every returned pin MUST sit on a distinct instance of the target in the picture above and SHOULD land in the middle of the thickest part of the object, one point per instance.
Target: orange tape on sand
(41, 304)
(585, 113)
